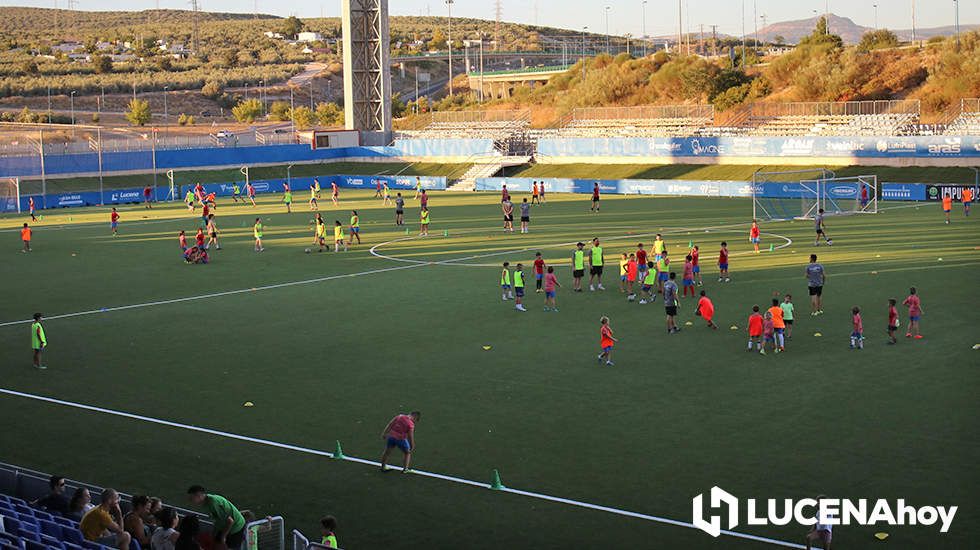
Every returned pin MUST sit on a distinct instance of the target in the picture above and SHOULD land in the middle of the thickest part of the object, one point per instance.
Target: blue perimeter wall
(846, 147)
(300, 187)
(692, 188)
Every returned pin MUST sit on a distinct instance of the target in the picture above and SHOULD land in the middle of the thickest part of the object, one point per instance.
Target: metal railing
(834, 108)
(699, 111)
(480, 116)
(300, 542)
(266, 534)
(970, 105)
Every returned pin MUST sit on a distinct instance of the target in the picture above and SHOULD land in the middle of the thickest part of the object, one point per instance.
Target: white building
(309, 37)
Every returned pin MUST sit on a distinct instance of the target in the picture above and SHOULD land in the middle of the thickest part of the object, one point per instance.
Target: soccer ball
(307, 250)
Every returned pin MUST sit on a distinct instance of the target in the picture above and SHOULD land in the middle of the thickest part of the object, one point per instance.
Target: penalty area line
(327, 454)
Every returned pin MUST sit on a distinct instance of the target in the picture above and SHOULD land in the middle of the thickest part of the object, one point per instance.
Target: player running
(314, 206)
(706, 310)
(257, 233)
(334, 193)
(287, 198)
(596, 262)
(400, 432)
(754, 235)
(189, 200)
(778, 325)
(250, 191)
(338, 236)
(377, 189)
(212, 234)
(355, 227)
(387, 195)
(236, 193)
(595, 198)
(38, 341)
(535, 196)
(316, 188)
(788, 308)
(606, 341)
(649, 284)
(319, 232)
(821, 228)
(418, 187)
(114, 222)
(967, 200)
(947, 205)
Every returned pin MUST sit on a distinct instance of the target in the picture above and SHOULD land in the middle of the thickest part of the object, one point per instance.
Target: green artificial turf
(186, 177)
(335, 359)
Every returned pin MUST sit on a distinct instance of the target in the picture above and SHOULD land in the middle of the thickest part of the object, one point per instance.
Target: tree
(779, 39)
(139, 112)
(247, 111)
(101, 63)
(165, 63)
(438, 41)
(821, 35)
(292, 26)
(875, 40)
(29, 67)
(212, 89)
(279, 111)
(303, 118)
(329, 114)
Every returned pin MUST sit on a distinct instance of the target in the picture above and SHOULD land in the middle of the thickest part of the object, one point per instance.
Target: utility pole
(913, 22)
(701, 42)
(743, 35)
(875, 6)
(680, 25)
(714, 40)
(449, 3)
(607, 28)
(644, 8)
(956, 4)
(499, 12)
(583, 52)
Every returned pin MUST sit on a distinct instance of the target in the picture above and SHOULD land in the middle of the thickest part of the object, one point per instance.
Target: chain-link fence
(834, 108)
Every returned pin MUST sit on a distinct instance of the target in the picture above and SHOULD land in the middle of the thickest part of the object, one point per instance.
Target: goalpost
(800, 194)
(10, 195)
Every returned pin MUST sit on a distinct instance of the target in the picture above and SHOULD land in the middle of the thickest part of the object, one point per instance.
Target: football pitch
(150, 362)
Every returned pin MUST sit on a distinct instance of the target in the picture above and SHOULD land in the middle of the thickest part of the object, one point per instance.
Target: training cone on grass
(881, 536)
(487, 348)
(817, 334)
(734, 327)
(976, 346)
(248, 404)
(445, 233)
(338, 453)
(690, 244)
(495, 482)
(689, 324)
(772, 247)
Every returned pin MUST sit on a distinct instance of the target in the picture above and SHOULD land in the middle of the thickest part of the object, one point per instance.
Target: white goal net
(801, 194)
(9, 195)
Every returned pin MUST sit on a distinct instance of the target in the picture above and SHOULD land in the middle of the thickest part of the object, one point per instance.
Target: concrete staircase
(484, 167)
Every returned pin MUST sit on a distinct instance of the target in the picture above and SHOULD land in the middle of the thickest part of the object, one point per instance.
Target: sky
(625, 16)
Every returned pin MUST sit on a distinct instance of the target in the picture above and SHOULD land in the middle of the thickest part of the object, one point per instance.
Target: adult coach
(596, 262)
(400, 432)
(578, 267)
(815, 278)
(229, 524)
(670, 303)
(399, 210)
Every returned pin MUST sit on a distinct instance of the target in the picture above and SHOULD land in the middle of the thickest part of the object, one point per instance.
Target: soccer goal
(792, 195)
(852, 195)
(9, 195)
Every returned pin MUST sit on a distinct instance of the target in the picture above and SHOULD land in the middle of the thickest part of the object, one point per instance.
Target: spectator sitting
(166, 537)
(55, 501)
(190, 528)
(79, 505)
(102, 523)
(133, 522)
(156, 506)
(328, 526)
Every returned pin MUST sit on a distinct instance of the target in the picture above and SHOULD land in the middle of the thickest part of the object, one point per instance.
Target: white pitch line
(327, 454)
(216, 294)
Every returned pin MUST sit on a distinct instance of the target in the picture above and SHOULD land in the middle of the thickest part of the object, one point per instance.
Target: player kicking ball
(821, 228)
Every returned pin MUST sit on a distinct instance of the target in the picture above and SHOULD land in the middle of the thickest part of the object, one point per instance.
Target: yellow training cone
(688, 324)
(248, 404)
(874, 272)
(881, 536)
(817, 334)
(734, 327)
(487, 348)
(976, 346)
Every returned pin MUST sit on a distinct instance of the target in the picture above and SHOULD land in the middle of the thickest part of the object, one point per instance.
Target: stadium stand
(25, 524)
(848, 118)
(968, 121)
(641, 121)
(508, 129)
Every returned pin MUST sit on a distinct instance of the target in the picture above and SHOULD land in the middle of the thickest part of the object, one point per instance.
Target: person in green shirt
(787, 307)
(519, 287)
(38, 341)
(189, 200)
(257, 232)
(229, 523)
(287, 197)
(596, 262)
(328, 526)
(236, 192)
(578, 267)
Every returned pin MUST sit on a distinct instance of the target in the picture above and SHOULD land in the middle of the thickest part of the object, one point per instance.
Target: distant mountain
(793, 31)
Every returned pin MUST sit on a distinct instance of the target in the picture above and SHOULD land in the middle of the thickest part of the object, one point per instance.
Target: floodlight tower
(367, 76)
